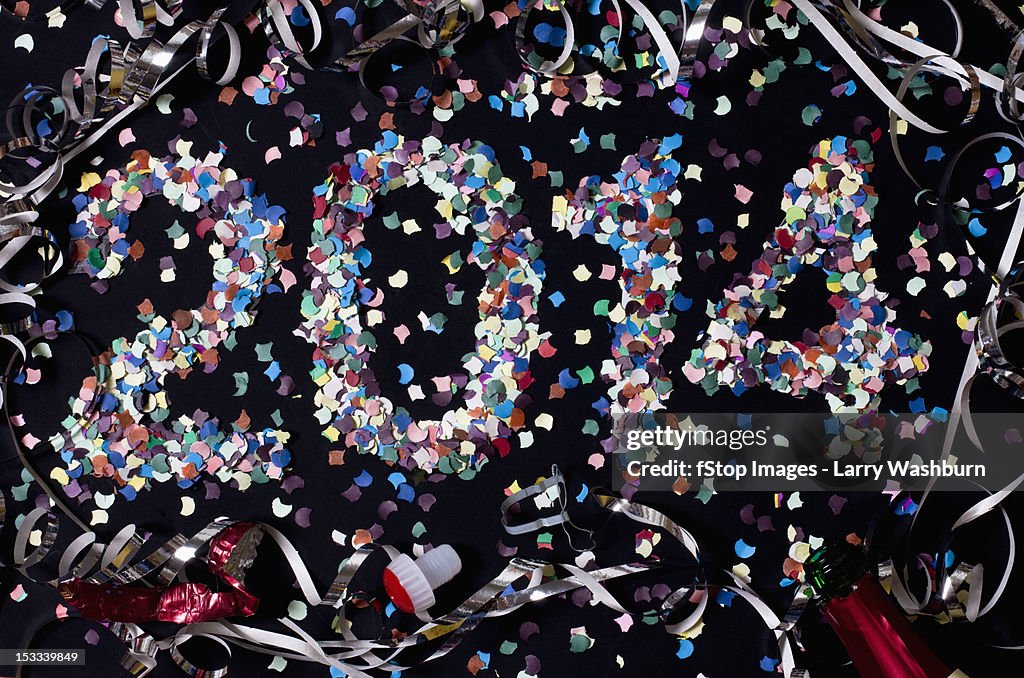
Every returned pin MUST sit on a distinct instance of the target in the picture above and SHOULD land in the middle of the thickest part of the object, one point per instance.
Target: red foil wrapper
(182, 603)
(230, 552)
(879, 639)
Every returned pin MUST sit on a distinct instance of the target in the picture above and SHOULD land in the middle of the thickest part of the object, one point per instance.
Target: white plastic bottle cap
(411, 583)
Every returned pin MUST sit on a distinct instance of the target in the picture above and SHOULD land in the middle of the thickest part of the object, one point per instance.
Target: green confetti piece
(608, 141)
(241, 383)
(557, 177)
(419, 529)
(601, 307)
(392, 221)
(591, 427)
(263, 352)
(580, 643)
(438, 321)
(508, 647)
(586, 375)
(175, 231)
(810, 115)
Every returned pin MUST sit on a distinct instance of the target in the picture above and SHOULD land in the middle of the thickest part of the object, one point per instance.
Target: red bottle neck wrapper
(879, 639)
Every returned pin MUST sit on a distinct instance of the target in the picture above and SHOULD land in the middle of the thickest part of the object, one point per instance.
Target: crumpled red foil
(230, 552)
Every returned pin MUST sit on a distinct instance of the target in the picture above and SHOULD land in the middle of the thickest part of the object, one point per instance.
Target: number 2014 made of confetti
(120, 427)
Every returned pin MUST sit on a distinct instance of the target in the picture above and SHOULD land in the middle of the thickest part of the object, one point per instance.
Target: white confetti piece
(163, 103)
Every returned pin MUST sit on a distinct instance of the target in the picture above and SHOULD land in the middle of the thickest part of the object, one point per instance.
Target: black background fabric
(466, 512)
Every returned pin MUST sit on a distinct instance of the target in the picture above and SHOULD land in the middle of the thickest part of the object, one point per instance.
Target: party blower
(880, 641)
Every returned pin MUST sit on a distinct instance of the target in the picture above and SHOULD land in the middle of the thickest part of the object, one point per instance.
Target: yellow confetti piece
(544, 421)
(581, 273)
(559, 205)
(582, 337)
(89, 179)
(399, 280)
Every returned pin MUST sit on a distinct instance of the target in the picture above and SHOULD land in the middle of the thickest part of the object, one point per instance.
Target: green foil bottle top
(833, 569)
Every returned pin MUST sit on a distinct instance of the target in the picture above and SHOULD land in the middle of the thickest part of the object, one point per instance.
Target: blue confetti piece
(65, 321)
(743, 549)
(768, 664)
(685, 648)
(346, 14)
(405, 373)
(705, 225)
(549, 35)
(1003, 154)
(364, 479)
(670, 143)
(273, 371)
(557, 299)
(724, 598)
(976, 229)
(681, 303)
(396, 479)
(298, 16)
(934, 153)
